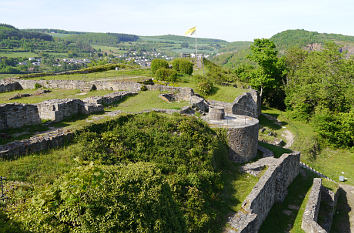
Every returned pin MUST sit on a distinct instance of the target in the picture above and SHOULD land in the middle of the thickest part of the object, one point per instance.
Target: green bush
(157, 64)
(335, 129)
(183, 65)
(143, 88)
(129, 198)
(37, 85)
(164, 74)
(205, 87)
(182, 147)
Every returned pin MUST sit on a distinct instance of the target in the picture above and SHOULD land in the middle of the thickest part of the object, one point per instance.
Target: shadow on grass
(283, 216)
(229, 173)
(341, 223)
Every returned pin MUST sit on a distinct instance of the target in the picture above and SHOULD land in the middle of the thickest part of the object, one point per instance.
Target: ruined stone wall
(247, 104)
(309, 218)
(227, 106)
(109, 98)
(9, 85)
(58, 109)
(243, 142)
(18, 115)
(180, 93)
(271, 188)
(317, 195)
(82, 85)
(35, 144)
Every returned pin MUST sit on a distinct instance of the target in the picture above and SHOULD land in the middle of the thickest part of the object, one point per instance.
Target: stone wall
(309, 218)
(35, 144)
(181, 93)
(317, 195)
(247, 104)
(271, 188)
(18, 115)
(9, 85)
(243, 142)
(227, 106)
(58, 109)
(109, 99)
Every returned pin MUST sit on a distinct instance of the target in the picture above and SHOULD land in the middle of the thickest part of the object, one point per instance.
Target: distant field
(18, 54)
(135, 74)
(108, 49)
(55, 94)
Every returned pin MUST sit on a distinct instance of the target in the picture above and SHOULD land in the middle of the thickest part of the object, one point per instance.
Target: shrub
(157, 64)
(37, 85)
(130, 198)
(164, 74)
(182, 147)
(205, 87)
(143, 88)
(183, 65)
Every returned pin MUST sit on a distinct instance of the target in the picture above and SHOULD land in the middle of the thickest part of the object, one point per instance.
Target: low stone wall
(18, 115)
(317, 195)
(35, 144)
(247, 104)
(271, 188)
(109, 99)
(243, 142)
(309, 218)
(180, 93)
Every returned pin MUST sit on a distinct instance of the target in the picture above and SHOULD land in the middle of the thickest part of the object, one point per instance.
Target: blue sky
(231, 20)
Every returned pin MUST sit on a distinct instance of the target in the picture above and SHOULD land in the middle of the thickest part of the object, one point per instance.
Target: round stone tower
(242, 133)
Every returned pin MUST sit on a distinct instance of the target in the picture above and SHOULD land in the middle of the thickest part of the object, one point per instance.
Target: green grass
(124, 75)
(2, 76)
(329, 161)
(18, 54)
(39, 168)
(108, 49)
(146, 100)
(54, 94)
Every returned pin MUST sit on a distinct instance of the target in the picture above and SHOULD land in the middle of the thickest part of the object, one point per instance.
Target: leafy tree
(164, 74)
(157, 64)
(183, 65)
(268, 78)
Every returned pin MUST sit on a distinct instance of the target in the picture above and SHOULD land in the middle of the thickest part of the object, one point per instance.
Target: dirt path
(289, 137)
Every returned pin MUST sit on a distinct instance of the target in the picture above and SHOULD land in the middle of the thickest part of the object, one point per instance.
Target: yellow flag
(191, 31)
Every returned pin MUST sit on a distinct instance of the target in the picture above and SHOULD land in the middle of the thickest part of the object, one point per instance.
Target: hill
(303, 38)
(10, 32)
